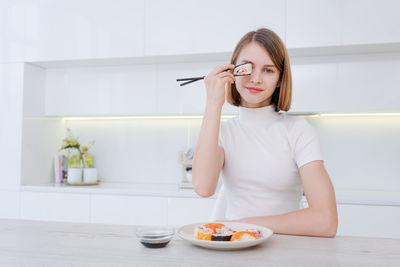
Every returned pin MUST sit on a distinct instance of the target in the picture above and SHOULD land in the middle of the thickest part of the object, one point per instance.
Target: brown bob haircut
(282, 96)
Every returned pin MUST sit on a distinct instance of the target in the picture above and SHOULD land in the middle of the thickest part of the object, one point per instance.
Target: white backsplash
(360, 153)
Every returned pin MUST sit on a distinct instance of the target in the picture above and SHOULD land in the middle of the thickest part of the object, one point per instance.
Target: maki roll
(203, 233)
(243, 236)
(242, 69)
(221, 237)
(258, 233)
(222, 234)
(214, 226)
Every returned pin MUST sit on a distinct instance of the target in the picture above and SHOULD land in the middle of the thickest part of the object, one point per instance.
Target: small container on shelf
(186, 159)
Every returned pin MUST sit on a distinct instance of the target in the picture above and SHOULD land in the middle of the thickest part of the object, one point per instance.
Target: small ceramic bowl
(155, 236)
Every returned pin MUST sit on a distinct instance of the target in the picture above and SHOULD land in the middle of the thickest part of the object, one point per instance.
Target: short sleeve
(306, 143)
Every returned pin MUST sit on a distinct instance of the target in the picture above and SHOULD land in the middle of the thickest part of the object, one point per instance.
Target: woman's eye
(268, 70)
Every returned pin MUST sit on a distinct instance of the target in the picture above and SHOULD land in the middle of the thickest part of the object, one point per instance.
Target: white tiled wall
(361, 153)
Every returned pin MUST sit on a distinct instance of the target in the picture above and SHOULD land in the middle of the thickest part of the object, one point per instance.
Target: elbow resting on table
(329, 226)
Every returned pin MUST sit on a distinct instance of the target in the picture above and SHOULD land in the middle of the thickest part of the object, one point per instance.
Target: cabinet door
(183, 211)
(370, 21)
(11, 91)
(9, 204)
(128, 210)
(313, 23)
(315, 87)
(55, 207)
(101, 91)
(12, 30)
(368, 83)
(353, 83)
(369, 221)
(206, 26)
(63, 30)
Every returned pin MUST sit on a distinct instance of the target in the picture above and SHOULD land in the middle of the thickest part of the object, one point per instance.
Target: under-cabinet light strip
(149, 117)
(186, 117)
(383, 114)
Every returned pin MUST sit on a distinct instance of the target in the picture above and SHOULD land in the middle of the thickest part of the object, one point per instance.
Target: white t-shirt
(264, 150)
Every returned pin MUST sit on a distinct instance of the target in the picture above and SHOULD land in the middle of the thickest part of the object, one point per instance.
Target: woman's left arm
(319, 219)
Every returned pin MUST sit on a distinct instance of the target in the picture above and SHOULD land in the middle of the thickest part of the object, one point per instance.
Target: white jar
(90, 175)
(74, 175)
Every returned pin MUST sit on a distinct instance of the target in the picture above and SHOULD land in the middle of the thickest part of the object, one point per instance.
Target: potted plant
(77, 159)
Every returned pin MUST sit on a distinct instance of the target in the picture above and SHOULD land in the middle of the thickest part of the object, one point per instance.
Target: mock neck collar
(260, 116)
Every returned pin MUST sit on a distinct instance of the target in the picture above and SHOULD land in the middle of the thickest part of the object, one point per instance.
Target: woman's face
(256, 89)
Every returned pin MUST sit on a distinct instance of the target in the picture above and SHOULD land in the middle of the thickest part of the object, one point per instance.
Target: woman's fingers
(227, 77)
(222, 68)
(226, 74)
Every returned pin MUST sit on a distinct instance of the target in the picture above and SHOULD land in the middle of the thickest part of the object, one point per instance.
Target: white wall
(11, 90)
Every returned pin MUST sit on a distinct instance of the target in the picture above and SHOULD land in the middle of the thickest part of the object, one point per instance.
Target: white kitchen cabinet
(56, 30)
(206, 26)
(145, 89)
(9, 204)
(55, 207)
(183, 211)
(11, 98)
(356, 217)
(100, 91)
(315, 88)
(369, 221)
(346, 83)
(369, 84)
(370, 21)
(313, 23)
(136, 210)
(12, 31)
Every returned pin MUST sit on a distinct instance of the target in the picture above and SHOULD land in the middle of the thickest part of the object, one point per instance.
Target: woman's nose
(255, 77)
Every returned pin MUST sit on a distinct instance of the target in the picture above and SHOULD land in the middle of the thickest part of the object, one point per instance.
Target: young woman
(268, 159)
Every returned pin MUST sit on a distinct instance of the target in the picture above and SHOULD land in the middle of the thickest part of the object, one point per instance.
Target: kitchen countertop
(36, 243)
(343, 196)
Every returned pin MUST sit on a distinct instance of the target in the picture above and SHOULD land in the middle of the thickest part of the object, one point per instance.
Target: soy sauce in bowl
(155, 236)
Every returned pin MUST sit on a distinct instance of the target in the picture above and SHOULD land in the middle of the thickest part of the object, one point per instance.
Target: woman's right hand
(215, 84)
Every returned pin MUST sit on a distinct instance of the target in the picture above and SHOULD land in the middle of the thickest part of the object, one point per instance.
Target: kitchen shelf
(150, 190)
(346, 197)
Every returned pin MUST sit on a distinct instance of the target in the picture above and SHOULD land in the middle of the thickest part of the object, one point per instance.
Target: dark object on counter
(154, 245)
(155, 236)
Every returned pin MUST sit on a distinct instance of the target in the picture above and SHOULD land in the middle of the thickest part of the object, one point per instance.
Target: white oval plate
(187, 233)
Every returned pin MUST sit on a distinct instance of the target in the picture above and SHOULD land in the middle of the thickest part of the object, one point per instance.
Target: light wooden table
(34, 243)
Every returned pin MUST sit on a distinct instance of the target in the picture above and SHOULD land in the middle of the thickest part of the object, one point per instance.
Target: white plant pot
(74, 175)
(90, 175)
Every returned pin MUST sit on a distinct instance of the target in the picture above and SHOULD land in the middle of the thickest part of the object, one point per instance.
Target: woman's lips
(253, 90)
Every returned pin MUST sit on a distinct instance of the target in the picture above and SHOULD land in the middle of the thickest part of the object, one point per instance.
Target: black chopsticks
(189, 80)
